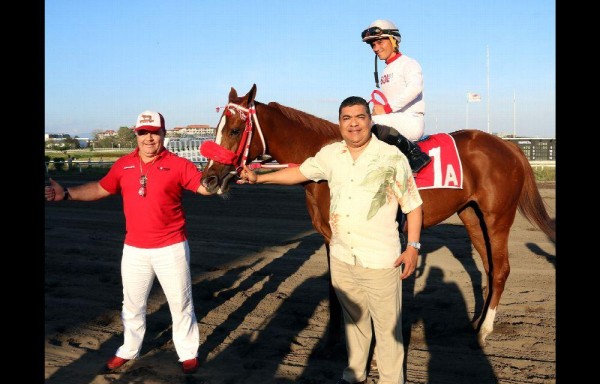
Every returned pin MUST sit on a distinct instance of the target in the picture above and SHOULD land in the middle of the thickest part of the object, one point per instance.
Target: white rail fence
(542, 164)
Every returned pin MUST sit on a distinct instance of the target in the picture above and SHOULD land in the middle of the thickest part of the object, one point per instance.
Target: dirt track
(260, 292)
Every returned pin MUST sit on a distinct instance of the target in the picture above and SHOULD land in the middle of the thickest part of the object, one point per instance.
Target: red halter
(212, 150)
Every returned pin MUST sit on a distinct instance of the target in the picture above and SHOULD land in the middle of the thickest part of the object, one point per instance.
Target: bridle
(215, 152)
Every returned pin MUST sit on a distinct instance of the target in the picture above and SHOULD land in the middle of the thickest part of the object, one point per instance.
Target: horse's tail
(532, 206)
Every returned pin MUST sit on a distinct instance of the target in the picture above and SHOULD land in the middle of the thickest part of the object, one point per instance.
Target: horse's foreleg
(490, 239)
(499, 274)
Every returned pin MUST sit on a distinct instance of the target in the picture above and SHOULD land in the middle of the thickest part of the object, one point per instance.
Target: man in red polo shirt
(151, 180)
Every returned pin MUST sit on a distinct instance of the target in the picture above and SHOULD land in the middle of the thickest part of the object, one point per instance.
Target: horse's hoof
(481, 342)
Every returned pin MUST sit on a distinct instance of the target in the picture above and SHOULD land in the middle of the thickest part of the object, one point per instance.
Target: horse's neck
(291, 135)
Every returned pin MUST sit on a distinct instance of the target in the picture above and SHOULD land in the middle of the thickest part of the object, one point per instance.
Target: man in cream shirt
(368, 180)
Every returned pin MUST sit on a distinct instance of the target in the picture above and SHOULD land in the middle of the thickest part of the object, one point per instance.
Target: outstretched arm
(286, 176)
(85, 192)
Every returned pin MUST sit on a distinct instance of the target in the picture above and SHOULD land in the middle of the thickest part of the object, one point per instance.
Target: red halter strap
(213, 151)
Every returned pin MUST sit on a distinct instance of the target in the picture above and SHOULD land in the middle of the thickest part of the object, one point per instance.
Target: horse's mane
(308, 121)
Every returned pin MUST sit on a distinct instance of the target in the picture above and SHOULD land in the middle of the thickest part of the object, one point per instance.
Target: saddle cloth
(445, 168)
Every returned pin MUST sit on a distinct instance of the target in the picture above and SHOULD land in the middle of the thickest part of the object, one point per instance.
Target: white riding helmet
(379, 29)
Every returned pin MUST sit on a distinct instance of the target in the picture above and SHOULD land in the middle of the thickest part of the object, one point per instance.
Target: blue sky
(106, 61)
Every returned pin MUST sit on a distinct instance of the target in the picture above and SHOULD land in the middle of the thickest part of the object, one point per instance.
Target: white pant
(366, 295)
(171, 265)
(410, 124)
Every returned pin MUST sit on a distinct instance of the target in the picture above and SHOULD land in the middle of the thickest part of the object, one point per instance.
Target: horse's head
(234, 144)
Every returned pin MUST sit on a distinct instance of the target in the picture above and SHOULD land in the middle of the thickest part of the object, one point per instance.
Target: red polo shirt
(157, 219)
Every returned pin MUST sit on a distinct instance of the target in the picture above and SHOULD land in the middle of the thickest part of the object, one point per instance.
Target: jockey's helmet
(379, 29)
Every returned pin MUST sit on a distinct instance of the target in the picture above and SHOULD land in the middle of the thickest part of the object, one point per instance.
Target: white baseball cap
(150, 121)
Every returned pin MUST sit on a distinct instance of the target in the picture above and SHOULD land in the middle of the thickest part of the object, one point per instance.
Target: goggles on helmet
(376, 31)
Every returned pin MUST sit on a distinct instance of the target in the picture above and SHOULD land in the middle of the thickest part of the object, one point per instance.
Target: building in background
(64, 141)
(200, 130)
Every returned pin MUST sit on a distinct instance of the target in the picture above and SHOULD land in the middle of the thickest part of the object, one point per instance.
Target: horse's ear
(251, 94)
(232, 94)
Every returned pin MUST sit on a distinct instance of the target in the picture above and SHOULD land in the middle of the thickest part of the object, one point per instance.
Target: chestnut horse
(497, 180)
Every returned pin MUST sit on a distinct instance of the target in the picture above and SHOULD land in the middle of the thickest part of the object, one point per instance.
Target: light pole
(487, 49)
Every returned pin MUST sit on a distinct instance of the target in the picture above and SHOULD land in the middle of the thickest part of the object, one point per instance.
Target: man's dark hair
(354, 100)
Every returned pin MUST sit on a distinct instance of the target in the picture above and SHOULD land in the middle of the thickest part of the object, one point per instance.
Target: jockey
(399, 118)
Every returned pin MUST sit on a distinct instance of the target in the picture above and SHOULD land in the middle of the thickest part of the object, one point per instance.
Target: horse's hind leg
(335, 314)
(489, 238)
(317, 203)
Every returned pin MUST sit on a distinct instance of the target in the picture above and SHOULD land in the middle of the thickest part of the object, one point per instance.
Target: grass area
(97, 155)
(545, 173)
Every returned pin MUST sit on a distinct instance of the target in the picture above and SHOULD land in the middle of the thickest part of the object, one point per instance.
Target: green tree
(125, 138)
(94, 138)
(71, 143)
(95, 133)
(106, 142)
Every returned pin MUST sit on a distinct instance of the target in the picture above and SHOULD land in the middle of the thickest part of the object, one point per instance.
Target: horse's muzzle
(215, 185)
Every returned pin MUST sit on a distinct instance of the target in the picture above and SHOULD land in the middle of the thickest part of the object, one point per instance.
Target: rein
(213, 151)
(383, 101)
(374, 100)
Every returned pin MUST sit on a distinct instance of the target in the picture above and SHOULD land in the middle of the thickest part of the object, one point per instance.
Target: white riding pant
(171, 266)
(410, 124)
(366, 295)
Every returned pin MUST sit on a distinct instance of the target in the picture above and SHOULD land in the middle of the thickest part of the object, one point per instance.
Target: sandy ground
(260, 290)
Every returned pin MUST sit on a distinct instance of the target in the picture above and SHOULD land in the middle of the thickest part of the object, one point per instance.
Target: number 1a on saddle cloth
(445, 168)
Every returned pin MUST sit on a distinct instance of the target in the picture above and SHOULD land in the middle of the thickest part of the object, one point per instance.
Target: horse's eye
(235, 131)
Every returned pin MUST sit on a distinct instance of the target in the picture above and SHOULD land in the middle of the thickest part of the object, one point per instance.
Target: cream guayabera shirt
(365, 194)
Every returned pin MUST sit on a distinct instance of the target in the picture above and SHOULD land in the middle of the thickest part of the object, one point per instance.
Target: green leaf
(378, 201)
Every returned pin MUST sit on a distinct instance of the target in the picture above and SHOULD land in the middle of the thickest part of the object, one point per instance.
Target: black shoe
(417, 159)
(342, 381)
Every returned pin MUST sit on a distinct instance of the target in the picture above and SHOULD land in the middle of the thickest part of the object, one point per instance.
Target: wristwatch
(414, 244)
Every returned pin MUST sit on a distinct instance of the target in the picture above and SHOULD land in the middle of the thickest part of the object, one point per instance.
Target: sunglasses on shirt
(142, 190)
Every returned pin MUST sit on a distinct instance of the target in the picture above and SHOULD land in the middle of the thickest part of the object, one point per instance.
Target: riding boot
(417, 159)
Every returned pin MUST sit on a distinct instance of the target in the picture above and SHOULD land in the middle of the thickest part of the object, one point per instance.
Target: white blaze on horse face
(220, 129)
(222, 122)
